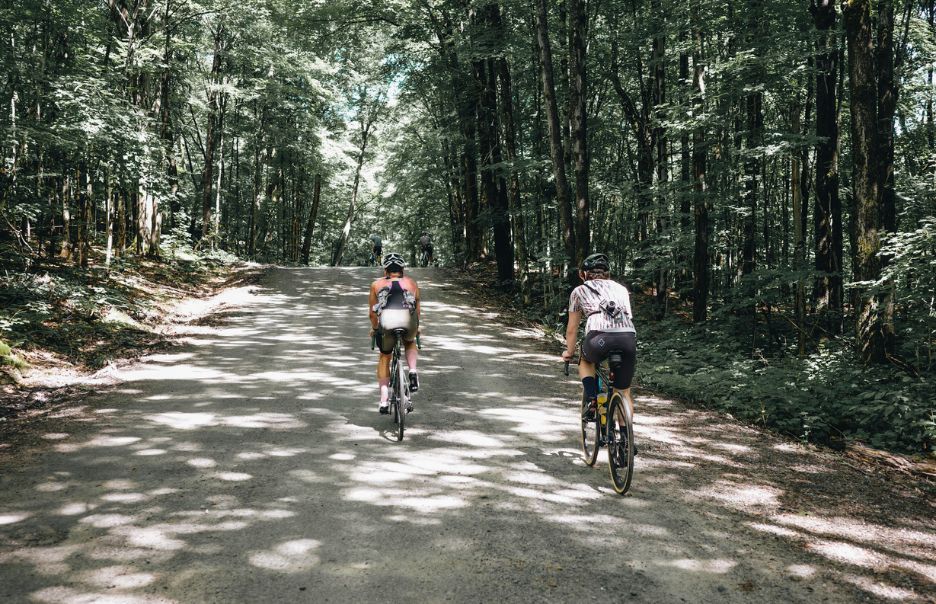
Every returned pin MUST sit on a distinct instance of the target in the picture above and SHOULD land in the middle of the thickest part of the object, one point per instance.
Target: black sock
(590, 384)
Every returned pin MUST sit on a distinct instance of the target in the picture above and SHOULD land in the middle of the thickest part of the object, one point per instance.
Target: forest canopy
(761, 171)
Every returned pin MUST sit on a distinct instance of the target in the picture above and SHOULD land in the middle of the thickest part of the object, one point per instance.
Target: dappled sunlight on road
(252, 466)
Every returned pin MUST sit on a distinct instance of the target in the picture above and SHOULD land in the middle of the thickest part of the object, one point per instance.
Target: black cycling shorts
(599, 344)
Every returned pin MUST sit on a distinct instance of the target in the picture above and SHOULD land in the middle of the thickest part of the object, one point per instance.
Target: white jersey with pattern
(606, 303)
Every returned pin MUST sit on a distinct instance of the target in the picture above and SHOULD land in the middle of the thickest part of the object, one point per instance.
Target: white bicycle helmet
(393, 259)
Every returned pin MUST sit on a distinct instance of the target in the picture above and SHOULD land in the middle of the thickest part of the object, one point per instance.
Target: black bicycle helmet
(393, 259)
(596, 262)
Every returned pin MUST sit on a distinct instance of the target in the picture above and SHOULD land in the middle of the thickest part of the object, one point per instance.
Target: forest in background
(760, 171)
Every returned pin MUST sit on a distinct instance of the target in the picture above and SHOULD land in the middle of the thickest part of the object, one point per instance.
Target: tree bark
(555, 141)
(796, 193)
(827, 215)
(578, 122)
(491, 159)
(685, 171)
(508, 119)
(700, 274)
(658, 94)
(872, 330)
(367, 116)
(310, 223)
(210, 136)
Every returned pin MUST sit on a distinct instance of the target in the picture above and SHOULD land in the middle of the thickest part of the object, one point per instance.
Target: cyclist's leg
(626, 343)
(385, 342)
(593, 353)
(383, 378)
(412, 355)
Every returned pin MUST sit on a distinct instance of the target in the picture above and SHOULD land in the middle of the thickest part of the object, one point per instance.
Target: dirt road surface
(251, 466)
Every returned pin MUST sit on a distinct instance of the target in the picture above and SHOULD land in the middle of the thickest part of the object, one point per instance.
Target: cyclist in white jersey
(609, 326)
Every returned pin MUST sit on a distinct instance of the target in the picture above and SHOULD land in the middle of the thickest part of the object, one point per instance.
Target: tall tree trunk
(508, 119)
(685, 171)
(555, 140)
(121, 222)
(310, 223)
(752, 164)
(658, 94)
(578, 121)
(83, 246)
(211, 136)
(930, 125)
(887, 93)
(700, 274)
(827, 215)
(456, 204)
(367, 116)
(755, 127)
(491, 159)
(109, 220)
(872, 329)
(799, 245)
(66, 217)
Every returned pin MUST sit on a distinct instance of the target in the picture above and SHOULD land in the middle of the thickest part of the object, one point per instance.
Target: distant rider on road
(425, 247)
(376, 248)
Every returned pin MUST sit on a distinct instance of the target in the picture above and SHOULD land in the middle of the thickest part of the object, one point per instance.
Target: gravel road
(251, 465)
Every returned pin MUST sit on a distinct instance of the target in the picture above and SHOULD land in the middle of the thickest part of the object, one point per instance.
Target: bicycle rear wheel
(401, 397)
(394, 405)
(591, 431)
(620, 443)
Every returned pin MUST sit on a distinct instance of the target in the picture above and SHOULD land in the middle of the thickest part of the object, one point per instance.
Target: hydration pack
(402, 298)
(609, 308)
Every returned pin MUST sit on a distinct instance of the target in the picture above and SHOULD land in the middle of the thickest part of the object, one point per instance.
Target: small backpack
(607, 307)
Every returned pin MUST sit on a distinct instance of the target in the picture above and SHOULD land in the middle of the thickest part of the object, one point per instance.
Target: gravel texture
(250, 465)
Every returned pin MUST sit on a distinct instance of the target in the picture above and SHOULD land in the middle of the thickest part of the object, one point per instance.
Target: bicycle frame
(399, 387)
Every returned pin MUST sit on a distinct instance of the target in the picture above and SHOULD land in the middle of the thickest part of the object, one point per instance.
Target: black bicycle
(610, 425)
(400, 401)
(425, 258)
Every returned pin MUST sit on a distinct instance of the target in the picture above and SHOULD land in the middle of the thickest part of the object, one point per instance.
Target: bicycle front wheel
(620, 443)
(591, 431)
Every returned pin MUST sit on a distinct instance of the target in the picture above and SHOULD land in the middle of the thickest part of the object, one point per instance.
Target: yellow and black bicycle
(610, 425)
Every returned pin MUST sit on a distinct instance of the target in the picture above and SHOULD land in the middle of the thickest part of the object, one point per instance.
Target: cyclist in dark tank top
(394, 304)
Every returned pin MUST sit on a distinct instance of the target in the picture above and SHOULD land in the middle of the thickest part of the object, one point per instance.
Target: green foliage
(825, 397)
(91, 317)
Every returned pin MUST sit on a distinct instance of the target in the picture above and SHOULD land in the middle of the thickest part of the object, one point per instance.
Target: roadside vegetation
(83, 319)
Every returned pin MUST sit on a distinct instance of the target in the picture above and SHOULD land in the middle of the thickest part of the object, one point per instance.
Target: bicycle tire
(591, 432)
(401, 397)
(392, 386)
(620, 443)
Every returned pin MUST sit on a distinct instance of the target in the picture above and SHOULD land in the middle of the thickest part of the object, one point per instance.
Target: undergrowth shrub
(826, 397)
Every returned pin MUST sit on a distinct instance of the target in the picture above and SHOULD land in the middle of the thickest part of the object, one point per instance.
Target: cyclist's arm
(372, 300)
(575, 317)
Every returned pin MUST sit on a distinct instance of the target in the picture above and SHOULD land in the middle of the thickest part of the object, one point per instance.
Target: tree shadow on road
(253, 466)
